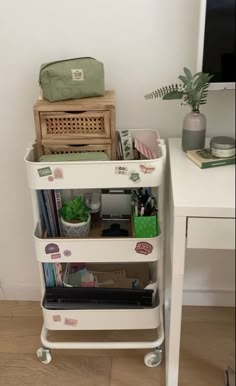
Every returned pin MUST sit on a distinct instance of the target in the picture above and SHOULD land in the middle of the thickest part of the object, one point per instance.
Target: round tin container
(222, 147)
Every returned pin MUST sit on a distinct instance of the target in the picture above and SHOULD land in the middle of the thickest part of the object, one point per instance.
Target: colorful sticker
(51, 248)
(43, 172)
(50, 178)
(146, 169)
(121, 170)
(56, 318)
(143, 248)
(58, 173)
(71, 322)
(56, 256)
(134, 176)
(67, 253)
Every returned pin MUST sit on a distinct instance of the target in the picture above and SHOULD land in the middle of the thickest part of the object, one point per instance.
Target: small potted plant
(75, 218)
(193, 91)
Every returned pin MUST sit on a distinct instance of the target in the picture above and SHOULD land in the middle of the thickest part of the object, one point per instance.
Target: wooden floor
(207, 340)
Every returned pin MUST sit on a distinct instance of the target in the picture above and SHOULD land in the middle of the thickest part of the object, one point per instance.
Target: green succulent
(74, 209)
(193, 91)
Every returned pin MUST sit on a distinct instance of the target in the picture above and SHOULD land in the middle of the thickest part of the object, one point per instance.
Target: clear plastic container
(95, 208)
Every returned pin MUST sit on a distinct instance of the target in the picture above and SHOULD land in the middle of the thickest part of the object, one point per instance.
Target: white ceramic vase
(194, 131)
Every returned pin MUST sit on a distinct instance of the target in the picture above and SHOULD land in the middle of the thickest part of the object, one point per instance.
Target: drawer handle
(75, 112)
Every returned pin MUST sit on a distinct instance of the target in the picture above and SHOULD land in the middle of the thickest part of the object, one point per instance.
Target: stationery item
(49, 202)
(204, 159)
(96, 298)
(115, 231)
(126, 143)
(58, 204)
(49, 275)
(145, 226)
(58, 274)
(144, 214)
(143, 150)
(43, 211)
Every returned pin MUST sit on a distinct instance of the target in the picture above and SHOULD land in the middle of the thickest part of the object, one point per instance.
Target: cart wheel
(153, 359)
(44, 355)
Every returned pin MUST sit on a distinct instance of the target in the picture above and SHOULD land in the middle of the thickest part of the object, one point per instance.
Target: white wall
(143, 44)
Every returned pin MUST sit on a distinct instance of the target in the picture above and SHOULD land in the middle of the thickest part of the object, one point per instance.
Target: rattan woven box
(88, 121)
(66, 149)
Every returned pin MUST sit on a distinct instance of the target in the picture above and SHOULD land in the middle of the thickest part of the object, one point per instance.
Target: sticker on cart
(135, 177)
(58, 173)
(121, 170)
(70, 322)
(51, 248)
(55, 256)
(67, 253)
(50, 178)
(146, 169)
(44, 172)
(144, 248)
(56, 318)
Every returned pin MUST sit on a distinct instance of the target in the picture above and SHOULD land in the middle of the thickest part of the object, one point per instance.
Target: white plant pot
(75, 230)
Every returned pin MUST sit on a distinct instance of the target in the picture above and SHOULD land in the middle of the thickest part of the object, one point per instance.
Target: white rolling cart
(103, 174)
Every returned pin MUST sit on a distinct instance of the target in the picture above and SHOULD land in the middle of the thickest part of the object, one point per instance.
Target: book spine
(58, 274)
(49, 207)
(54, 212)
(58, 203)
(43, 210)
(212, 164)
(49, 274)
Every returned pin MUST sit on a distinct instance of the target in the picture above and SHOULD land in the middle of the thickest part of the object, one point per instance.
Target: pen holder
(145, 226)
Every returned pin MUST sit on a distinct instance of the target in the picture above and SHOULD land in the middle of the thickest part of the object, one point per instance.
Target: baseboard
(20, 293)
(218, 297)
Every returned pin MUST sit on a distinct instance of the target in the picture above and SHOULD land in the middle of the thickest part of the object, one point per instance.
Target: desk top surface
(200, 192)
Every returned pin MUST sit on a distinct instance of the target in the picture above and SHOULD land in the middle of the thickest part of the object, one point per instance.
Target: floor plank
(132, 371)
(208, 336)
(25, 369)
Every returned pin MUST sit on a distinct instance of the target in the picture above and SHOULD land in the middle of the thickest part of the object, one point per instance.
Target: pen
(142, 211)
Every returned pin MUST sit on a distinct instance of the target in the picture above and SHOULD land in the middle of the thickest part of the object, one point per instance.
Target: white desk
(201, 215)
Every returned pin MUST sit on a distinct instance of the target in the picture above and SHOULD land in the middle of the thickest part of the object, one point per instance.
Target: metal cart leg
(151, 359)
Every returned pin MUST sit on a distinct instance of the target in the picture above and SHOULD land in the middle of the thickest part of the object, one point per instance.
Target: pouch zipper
(60, 61)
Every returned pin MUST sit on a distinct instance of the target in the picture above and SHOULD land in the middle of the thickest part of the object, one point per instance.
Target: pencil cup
(145, 226)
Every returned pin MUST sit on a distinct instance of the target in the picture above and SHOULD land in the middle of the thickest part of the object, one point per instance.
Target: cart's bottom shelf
(102, 319)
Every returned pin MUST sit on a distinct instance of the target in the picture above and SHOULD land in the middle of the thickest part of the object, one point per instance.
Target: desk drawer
(211, 233)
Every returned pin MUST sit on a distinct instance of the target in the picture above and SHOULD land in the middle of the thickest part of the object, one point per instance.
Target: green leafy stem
(193, 91)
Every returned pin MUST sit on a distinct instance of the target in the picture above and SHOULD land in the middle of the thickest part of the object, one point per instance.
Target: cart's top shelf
(97, 174)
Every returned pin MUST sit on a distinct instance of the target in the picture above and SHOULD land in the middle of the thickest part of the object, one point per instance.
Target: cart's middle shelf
(96, 249)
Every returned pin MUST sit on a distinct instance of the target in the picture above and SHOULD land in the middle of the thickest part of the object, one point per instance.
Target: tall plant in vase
(193, 91)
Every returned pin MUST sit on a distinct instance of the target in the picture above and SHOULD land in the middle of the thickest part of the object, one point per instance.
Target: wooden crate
(88, 121)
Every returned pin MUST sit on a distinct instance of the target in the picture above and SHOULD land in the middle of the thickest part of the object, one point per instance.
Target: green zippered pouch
(72, 79)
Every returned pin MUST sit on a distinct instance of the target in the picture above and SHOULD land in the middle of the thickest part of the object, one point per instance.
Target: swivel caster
(153, 359)
(44, 355)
